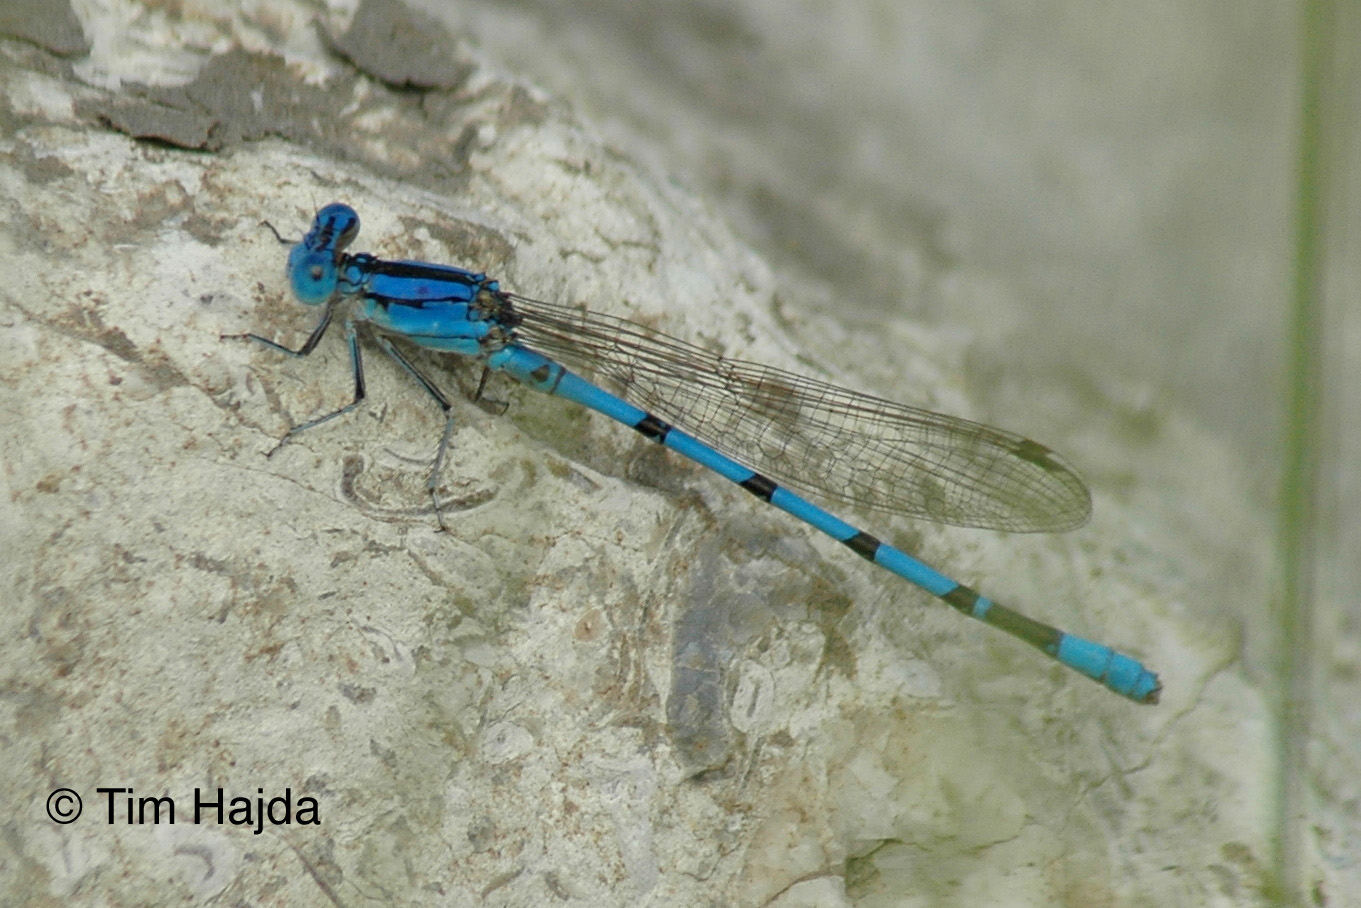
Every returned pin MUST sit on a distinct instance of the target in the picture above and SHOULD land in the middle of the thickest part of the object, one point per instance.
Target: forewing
(817, 438)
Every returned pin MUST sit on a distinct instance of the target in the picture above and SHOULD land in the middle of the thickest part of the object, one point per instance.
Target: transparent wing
(814, 437)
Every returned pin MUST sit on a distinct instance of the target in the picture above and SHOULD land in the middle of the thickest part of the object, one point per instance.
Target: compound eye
(335, 226)
(312, 275)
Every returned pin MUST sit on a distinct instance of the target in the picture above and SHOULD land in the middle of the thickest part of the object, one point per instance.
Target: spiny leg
(494, 407)
(357, 368)
(305, 350)
(277, 235)
(432, 481)
(356, 363)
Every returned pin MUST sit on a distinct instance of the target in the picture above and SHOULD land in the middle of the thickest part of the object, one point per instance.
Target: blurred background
(1142, 216)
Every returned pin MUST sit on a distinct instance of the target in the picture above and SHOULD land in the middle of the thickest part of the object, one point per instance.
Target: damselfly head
(313, 263)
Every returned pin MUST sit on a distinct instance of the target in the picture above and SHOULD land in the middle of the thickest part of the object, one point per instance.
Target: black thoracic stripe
(760, 486)
(417, 270)
(864, 545)
(386, 303)
(653, 428)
